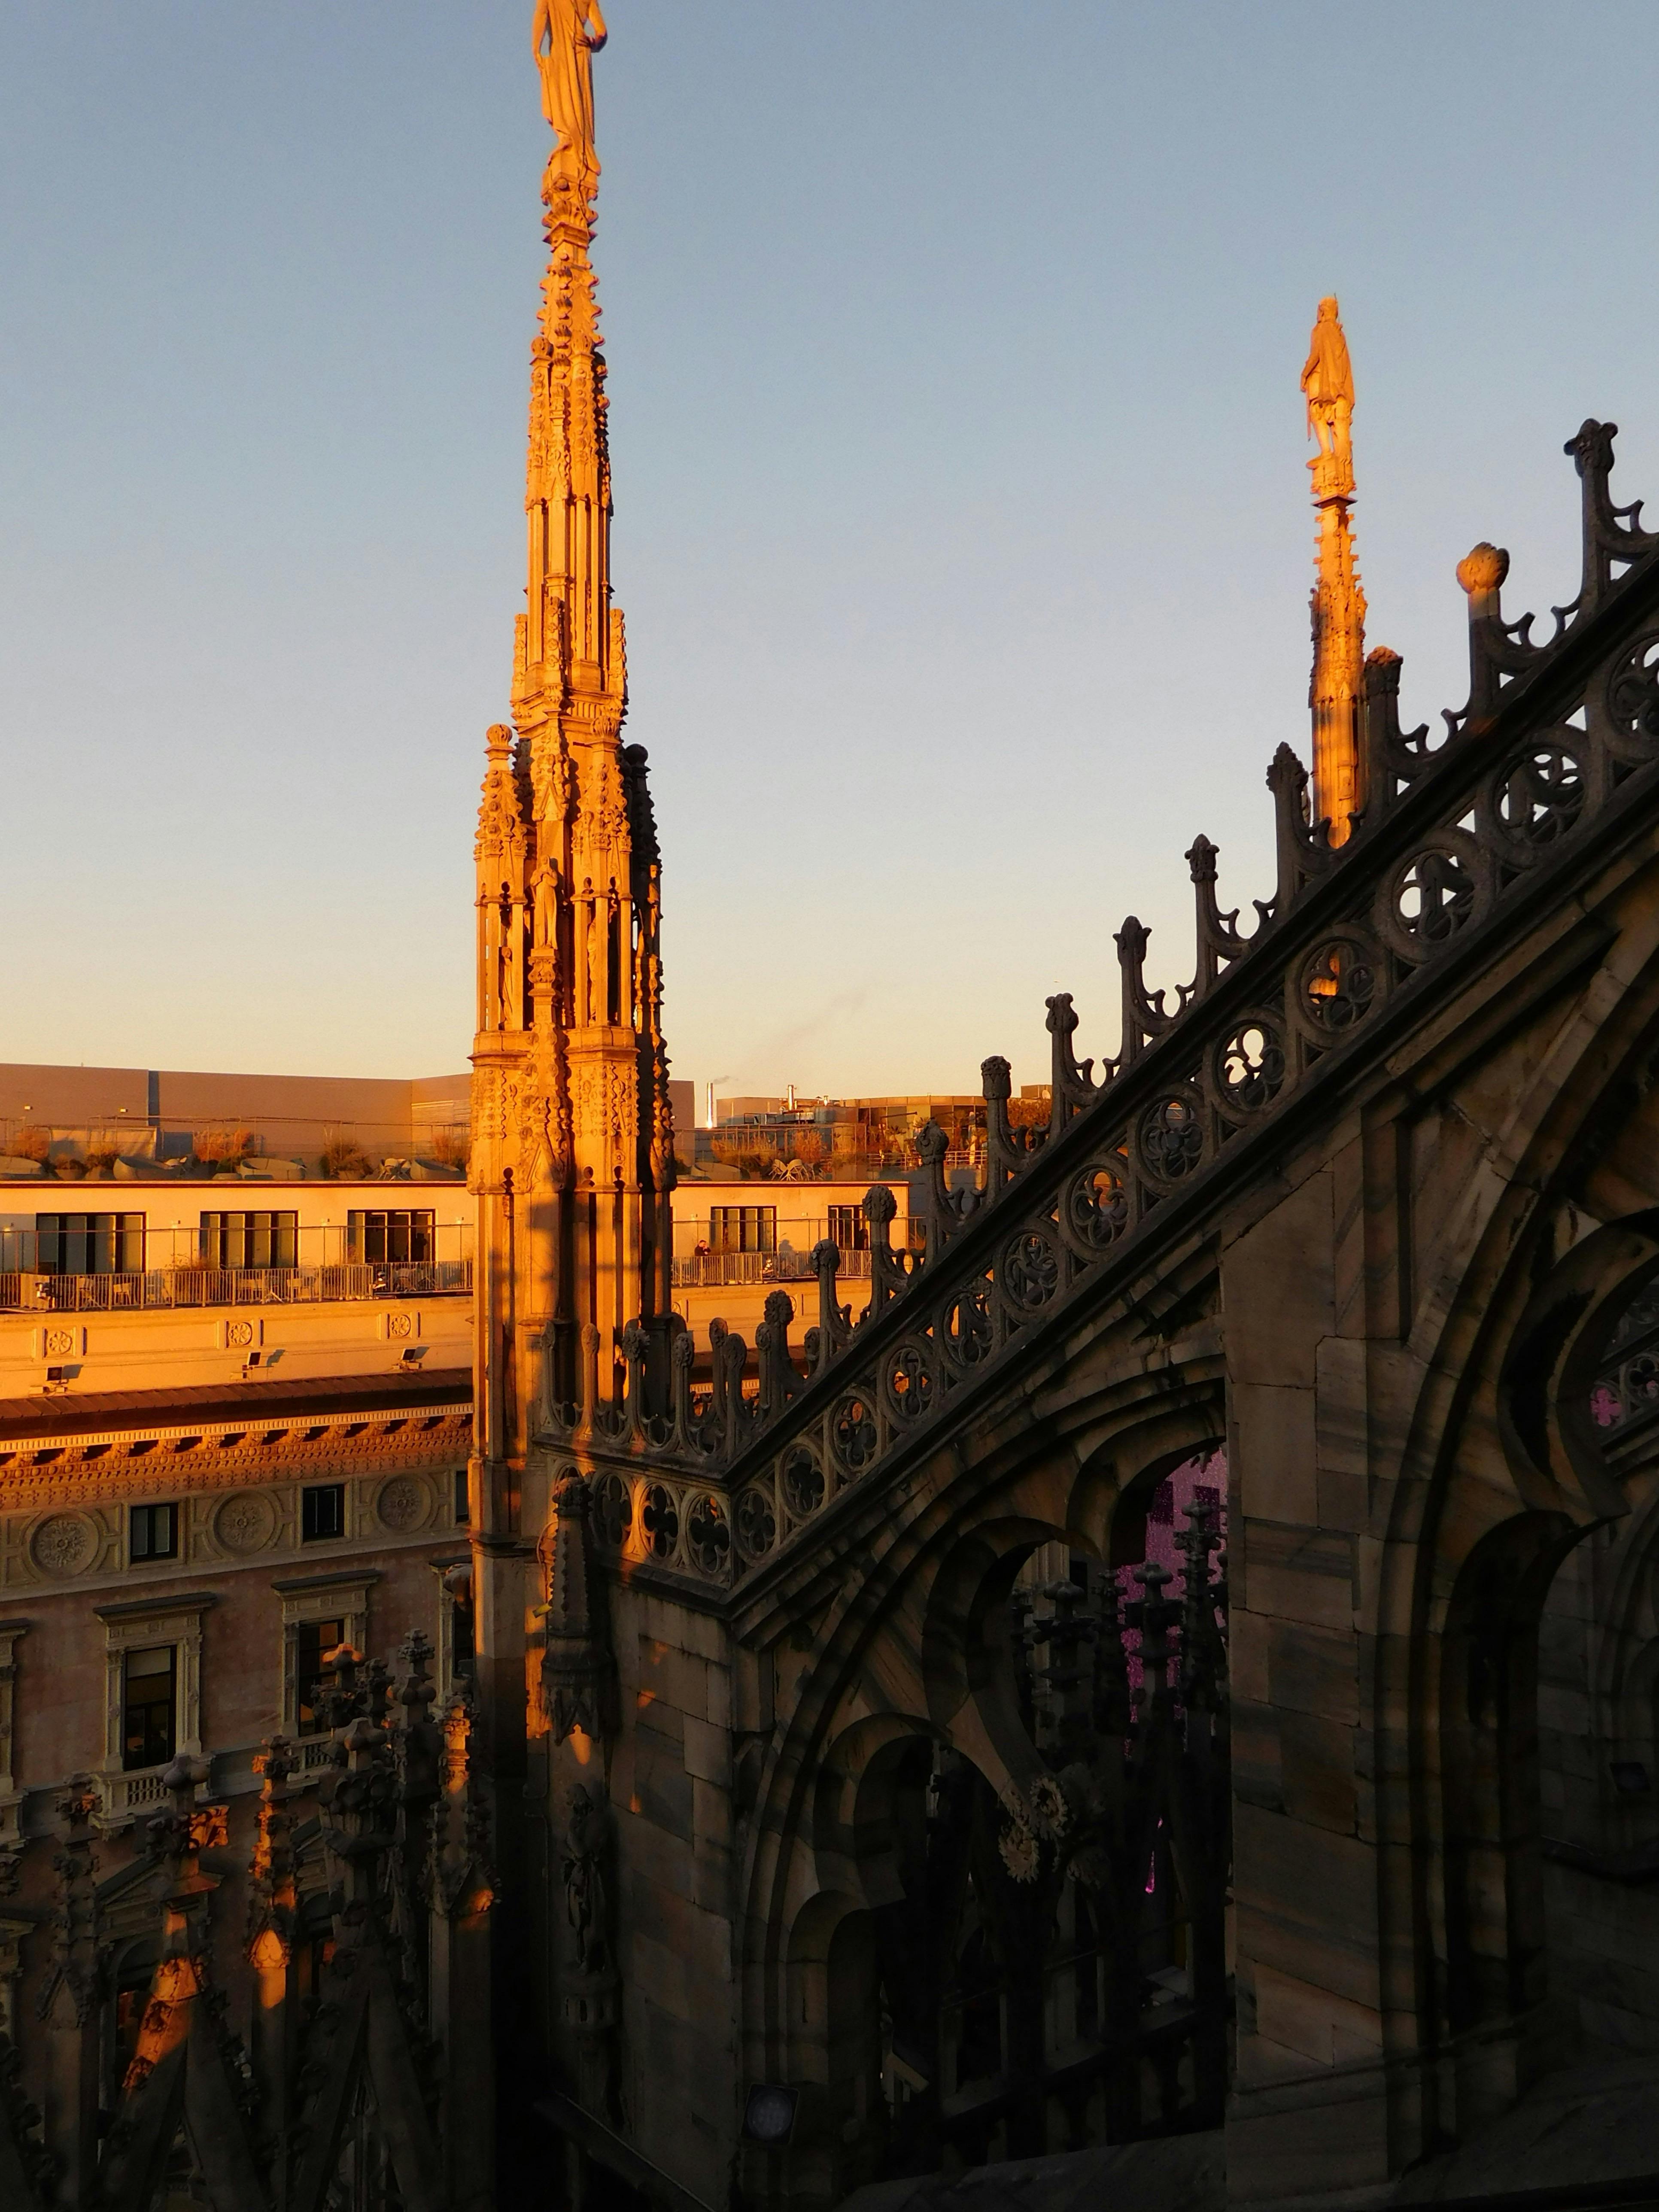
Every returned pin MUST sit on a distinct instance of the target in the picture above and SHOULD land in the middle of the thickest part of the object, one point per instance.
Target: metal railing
(708, 1267)
(160, 1288)
(711, 1270)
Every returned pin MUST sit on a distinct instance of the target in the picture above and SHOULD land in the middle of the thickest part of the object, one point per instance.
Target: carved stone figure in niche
(1328, 381)
(568, 35)
(504, 956)
(547, 916)
(590, 965)
(585, 1900)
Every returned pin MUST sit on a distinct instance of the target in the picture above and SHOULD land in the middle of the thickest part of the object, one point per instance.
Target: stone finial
(1483, 569)
(1591, 446)
(1200, 859)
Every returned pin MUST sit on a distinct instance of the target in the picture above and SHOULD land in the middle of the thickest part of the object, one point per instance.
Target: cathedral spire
(1338, 602)
(573, 1147)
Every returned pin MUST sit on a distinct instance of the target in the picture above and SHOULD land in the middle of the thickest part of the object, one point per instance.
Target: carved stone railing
(704, 1481)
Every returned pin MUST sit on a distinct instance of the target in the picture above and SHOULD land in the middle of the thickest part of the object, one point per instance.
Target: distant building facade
(235, 1413)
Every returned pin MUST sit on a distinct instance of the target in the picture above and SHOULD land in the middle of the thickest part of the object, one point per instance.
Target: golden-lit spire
(572, 1140)
(1338, 602)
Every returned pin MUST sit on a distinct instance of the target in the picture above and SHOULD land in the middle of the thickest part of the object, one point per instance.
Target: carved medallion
(246, 1522)
(910, 1378)
(402, 1502)
(1439, 891)
(756, 1522)
(238, 1334)
(65, 1544)
(1540, 795)
(1170, 1138)
(613, 1512)
(659, 1517)
(802, 1482)
(1097, 1204)
(708, 1535)
(853, 1433)
(1336, 987)
(1031, 1269)
(59, 1343)
(1250, 1064)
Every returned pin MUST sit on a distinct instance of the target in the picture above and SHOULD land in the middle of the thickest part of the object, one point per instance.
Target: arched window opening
(1054, 1968)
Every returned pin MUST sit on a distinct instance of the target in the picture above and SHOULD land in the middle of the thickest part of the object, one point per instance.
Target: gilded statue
(1328, 381)
(568, 35)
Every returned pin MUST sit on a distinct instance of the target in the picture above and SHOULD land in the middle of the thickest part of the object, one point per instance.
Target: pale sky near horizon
(961, 519)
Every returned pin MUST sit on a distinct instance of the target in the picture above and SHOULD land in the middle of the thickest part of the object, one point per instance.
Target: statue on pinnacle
(567, 33)
(1328, 381)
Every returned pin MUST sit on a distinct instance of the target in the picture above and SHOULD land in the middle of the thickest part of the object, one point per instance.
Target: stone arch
(1494, 1946)
(1502, 1476)
(907, 1691)
(833, 2062)
(1537, 1162)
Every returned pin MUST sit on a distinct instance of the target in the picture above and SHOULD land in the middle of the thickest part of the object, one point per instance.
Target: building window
(249, 1240)
(153, 1693)
(150, 1692)
(398, 1235)
(849, 1231)
(462, 1510)
(89, 1243)
(743, 1229)
(322, 1512)
(319, 1613)
(153, 1533)
(312, 1641)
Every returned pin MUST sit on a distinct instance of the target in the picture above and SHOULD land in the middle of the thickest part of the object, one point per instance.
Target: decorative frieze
(69, 1548)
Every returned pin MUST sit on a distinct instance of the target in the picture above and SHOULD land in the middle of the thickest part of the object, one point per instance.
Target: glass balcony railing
(22, 1291)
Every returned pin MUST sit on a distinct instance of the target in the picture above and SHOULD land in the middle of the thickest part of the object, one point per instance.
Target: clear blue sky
(961, 519)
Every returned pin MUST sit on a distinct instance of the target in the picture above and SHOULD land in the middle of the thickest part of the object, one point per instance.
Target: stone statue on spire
(1328, 381)
(567, 33)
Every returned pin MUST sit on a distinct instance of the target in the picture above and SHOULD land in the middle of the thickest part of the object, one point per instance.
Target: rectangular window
(398, 1235)
(462, 1510)
(150, 1690)
(743, 1229)
(153, 1533)
(89, 1243)
(313, 1641)
(848, 1230)
(322, 1512)
(249, 1240)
